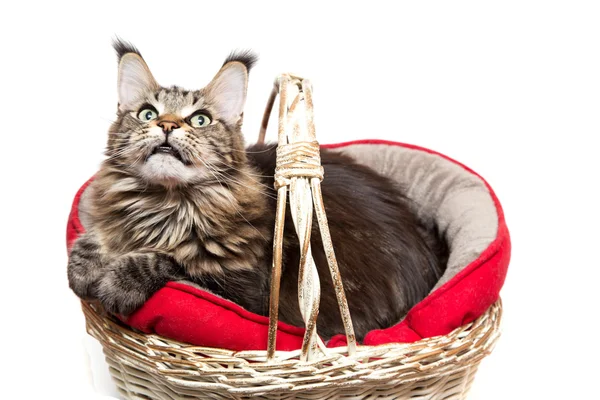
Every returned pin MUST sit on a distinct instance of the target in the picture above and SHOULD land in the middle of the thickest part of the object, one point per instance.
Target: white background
(511, 89)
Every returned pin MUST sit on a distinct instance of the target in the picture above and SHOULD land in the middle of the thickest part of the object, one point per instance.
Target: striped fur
(205, 212)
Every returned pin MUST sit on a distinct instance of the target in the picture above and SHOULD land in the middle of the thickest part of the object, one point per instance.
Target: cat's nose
(168, 126)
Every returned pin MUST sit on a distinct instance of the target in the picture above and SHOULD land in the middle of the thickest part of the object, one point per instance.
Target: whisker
(197, 141)
(236, 207)
(136, 147)
(196, 155)
(234, 180)
(242, 151)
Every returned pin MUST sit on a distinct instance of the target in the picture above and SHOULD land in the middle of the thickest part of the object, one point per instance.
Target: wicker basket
(152, 367)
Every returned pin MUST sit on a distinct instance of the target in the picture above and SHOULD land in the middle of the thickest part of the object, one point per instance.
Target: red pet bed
(444, 192)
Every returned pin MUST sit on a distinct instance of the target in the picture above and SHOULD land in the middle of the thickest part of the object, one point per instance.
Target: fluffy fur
(174, 200)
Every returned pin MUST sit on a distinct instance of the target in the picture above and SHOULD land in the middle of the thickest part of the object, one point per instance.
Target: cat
(180, 198)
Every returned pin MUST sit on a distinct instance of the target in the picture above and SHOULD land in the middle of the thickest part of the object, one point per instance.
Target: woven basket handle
(299, 169)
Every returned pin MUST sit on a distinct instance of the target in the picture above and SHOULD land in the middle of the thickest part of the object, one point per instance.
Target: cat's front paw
(85, 268)
(118, 289)
(132, 279)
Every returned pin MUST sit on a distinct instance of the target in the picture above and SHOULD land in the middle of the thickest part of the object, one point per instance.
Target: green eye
(200, 120)
(147, 115)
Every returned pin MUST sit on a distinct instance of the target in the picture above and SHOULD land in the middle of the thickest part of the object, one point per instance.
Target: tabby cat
(180, 198)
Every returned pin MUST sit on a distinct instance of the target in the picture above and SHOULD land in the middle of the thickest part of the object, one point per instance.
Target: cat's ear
(135, 78)
(228, 88)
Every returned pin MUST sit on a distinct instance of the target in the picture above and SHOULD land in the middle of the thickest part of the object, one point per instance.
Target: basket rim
(184, 366)
(94, 314)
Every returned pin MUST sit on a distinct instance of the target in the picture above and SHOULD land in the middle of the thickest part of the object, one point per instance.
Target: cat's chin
(169, 171)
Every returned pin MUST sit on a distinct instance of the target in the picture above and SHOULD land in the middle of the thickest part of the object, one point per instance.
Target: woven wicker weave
(153, 367)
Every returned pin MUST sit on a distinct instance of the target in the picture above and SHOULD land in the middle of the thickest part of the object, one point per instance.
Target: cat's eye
(200, 120)
(147, 115)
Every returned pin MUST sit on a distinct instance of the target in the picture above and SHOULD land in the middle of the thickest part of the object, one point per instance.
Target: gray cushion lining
(443, 194)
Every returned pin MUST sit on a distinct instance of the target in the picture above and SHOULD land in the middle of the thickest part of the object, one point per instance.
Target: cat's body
(387, 261)
(180, 198)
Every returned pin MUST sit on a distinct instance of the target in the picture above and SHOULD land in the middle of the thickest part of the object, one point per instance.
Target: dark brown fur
(386, 261)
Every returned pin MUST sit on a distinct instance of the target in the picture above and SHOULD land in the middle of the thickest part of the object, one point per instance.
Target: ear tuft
(246, 57)
(123, 47)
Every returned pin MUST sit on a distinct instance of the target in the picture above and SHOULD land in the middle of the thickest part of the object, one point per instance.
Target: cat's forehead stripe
(175, 100)
(178, 101)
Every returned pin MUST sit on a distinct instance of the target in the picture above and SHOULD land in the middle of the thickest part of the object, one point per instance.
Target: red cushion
(191, 315)
(188, 314)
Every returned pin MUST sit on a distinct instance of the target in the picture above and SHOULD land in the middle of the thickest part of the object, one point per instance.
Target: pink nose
(168, 126)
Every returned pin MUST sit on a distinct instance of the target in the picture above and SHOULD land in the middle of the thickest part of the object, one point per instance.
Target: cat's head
(176, 137)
